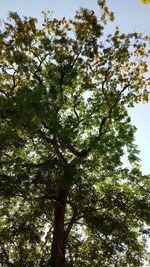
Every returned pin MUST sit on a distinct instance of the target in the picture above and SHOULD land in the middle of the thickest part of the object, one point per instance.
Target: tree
(66, 197)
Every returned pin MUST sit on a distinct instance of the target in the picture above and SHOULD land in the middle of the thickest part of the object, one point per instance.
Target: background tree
(66, 198)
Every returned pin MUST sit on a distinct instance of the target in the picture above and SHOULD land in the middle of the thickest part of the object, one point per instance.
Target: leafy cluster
(145, 1)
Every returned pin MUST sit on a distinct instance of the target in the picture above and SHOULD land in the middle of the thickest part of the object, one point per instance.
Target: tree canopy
(66, 197)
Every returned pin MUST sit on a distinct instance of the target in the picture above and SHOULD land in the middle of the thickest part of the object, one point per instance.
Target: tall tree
(66, 197)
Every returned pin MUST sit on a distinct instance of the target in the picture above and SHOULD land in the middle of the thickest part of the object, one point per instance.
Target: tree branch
(53, 141)
(2, 92)
(85, 152)
(72, 221)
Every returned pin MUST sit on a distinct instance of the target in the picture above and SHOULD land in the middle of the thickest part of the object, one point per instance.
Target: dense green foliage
(64, 93)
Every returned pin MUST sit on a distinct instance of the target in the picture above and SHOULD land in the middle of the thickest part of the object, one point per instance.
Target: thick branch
(71, 223)
(53, 141)
(77, 153)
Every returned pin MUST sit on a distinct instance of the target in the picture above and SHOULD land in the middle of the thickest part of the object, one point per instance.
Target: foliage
(145, 1)
(64, 93)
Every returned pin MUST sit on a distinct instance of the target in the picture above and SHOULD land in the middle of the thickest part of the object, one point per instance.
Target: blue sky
(131, 15)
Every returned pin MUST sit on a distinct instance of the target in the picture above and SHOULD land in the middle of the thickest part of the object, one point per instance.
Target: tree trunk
(58, 243)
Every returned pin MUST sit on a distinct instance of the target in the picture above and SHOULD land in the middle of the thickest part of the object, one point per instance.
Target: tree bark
(58, 243)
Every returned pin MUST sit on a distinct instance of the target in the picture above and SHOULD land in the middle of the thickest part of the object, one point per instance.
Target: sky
(130, 15)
